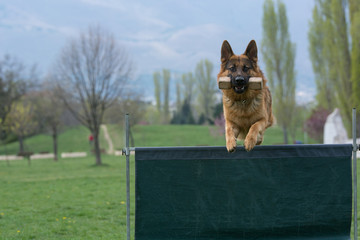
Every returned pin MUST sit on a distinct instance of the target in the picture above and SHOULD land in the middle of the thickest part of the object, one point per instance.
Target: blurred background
(71, 69)
(81, 65)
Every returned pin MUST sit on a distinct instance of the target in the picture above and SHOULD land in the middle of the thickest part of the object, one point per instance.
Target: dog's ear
(226, 52)
(251, 51)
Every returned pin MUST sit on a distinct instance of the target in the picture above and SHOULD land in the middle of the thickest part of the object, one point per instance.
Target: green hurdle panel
(271, 192)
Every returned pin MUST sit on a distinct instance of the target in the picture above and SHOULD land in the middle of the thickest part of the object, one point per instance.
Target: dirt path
(108, 139)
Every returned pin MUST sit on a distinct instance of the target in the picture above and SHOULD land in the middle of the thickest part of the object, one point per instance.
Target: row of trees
(91, 73)
(334, 48)
(87, 79)
(279, 57)
(196, 95)
(335, 55)
(162, 94)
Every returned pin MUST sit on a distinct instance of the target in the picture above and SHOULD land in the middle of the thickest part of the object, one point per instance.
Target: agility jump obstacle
(271, 192)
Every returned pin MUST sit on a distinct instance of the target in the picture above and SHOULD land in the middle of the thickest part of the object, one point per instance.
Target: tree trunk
(357, 124)
(97, 149)
(54, 136)
(21, 144)
(132, 141)
(286, 141)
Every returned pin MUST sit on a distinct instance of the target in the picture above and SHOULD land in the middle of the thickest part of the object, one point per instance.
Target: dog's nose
(240, 80)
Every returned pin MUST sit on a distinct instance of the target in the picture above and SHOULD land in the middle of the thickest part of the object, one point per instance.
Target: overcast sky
(157, 34)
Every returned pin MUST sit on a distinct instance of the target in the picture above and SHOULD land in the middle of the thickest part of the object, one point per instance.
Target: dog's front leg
(255, 130)
(231, 132)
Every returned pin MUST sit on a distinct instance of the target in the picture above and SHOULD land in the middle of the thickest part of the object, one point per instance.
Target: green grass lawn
(75, 139)
(116, 133)
(73, 199)
(69, 199)
(194, 135)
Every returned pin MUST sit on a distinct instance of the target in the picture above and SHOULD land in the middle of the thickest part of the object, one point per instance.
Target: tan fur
(248, 114)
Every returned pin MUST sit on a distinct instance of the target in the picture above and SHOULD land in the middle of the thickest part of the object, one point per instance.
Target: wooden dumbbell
(255, 83)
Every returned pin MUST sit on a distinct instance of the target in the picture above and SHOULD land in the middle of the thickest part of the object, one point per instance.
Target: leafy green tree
(185, 115)
(300, 115)
(354, 8)
(178, 97)
(21, 121)
(279, 57)
(317, 49)
(166, 78)
(157, 85)
(206, 86)
(335, 54)
(188, 84)
(162, 94)
(15, 81)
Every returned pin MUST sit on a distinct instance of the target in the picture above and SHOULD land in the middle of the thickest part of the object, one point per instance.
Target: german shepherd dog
(247, 112)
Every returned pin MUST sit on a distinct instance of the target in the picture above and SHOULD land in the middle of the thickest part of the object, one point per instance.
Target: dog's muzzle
(240, 83)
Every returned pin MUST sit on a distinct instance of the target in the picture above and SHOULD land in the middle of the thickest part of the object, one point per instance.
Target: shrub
(314, 125)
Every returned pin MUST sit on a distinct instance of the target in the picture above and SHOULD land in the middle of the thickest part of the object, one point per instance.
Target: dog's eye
(232, 68)
(245, 68)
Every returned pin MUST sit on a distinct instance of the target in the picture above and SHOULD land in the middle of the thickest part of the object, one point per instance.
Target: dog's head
(239, 67)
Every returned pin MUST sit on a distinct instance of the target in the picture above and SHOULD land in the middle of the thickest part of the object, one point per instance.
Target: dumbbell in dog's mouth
(240, 83)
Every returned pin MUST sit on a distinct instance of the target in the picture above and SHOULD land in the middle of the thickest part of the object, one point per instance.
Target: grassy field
(192, 135)
(70, 199)
(73, 139)
(73, 199)
(76, 139)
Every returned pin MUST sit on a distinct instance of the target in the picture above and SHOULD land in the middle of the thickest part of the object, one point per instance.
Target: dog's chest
(242, 111)
(242, 106)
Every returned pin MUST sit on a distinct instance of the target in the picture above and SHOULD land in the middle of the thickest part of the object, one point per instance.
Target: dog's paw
(231, 146)
(259, 142)
(249, 143)
(260, 138)
(231, 150)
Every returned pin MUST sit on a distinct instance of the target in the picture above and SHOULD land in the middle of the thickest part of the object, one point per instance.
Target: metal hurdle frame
(127, 149)
(355, 148)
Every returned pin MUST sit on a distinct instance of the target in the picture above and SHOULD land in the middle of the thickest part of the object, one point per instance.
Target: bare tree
(90, 74)
(131, 103)
(49, 112)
